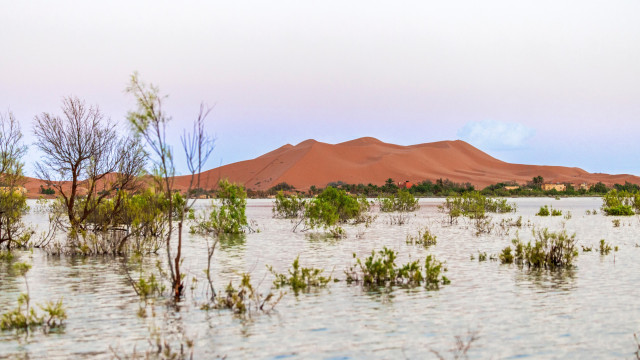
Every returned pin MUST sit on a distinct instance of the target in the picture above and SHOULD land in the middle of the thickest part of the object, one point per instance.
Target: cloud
(496, 135)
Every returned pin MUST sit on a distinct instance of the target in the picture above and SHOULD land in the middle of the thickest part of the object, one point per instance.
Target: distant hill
(369, 160)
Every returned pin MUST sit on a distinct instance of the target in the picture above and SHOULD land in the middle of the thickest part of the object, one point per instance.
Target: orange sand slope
(368, 160)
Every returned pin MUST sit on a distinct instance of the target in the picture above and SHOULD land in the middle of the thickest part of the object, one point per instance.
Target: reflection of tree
(228, 242)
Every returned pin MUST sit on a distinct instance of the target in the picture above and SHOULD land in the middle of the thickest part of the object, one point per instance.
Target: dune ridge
(368, 160)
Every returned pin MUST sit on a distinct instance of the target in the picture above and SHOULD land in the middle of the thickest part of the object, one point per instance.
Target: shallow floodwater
(591, 311)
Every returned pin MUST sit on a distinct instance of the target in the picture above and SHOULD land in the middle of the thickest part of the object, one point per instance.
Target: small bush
(605, 248)
(380, 269)
(550, 250)
(245, 299)
(403, 201)
(424, 238)
(300, 279)
(544, 211)
(288, 206)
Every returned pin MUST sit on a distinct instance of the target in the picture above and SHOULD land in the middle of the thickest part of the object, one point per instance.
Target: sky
(535, 82)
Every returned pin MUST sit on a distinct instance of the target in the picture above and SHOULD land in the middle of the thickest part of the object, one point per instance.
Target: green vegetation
(246, 300)
(621, 203)
(47, 190)
(25, 317)
(605, 248)
(288, 206)
(402, 201)
(424, 238)
(380, 269)
(300, 278)
(229, 217)
(550, 250)
(474, 205)
(546, 211)
(334, 207)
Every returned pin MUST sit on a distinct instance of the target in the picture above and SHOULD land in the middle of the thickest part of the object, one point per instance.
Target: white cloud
(496, 135)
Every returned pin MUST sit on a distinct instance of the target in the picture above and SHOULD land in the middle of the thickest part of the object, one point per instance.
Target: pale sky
(538, 82)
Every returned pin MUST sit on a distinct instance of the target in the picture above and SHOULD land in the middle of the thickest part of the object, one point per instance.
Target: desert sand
(369, 160)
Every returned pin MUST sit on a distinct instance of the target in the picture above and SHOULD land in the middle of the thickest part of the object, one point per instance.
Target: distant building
(511, 187)
(583, 186)
(405, 185)
(557, 187)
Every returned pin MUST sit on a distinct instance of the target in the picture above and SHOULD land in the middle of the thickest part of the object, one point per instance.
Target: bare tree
(150, 121)
(82, 149)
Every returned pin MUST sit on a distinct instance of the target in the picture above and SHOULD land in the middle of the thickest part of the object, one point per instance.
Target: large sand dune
(368, 160)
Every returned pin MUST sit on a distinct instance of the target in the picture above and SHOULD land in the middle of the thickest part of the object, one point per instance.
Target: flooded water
(591, 311)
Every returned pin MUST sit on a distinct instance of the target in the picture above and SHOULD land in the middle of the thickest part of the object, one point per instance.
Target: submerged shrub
(474, 205)
(605, 248)
(544, 211)
(229, 216)
(288, 206)
(549, 250)
(380, 269)
(334, 207)
(25, 317)
(300, 278)
(246, 299)
(620, 203)
(424, 238)
(403, 201)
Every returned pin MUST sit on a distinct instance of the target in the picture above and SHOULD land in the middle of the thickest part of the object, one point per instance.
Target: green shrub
(424, 238)
(300, 278)
(288, 206)
(380, 269)
(334, 207)
(403, 201)
(605, 248)
(550, 250)
(620, 203)
(229, 216)
(246, 299)
(474, 205)
(544, 211)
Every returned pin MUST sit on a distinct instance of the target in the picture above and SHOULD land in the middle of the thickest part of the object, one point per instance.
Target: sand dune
(369, 160)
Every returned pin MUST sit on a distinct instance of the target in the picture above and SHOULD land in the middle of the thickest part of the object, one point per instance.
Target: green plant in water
(434, 270)
(544, 211)
(587, 248)
(616, 222)
(334, 207)
(555, 212)
(380, 269)
(246, 299)
(474, 205)
(620, 203)
(288, 206)
(25, 317)
(424, 238)
(482, 256)
(300, 278)
(550, 250)
(403, 201)
(605, 248)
